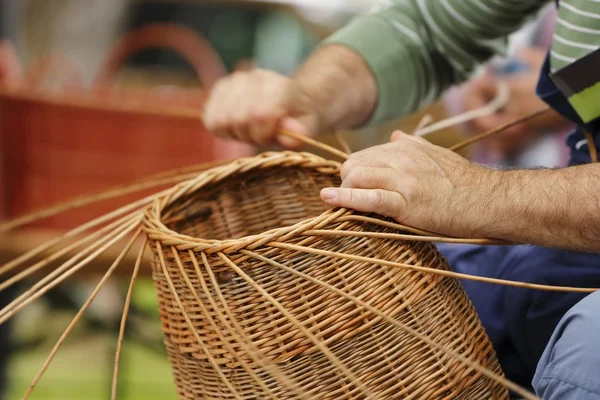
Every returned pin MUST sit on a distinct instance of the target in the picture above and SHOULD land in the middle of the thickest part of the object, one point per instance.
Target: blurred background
(57, 55)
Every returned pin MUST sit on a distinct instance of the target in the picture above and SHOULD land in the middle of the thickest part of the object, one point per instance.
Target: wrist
(339, 86)
(479, 205)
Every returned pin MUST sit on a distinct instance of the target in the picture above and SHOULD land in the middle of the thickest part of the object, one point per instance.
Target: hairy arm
(432, 188)
(552, 207)
(415, 49)
(383, 65)
(342, 90)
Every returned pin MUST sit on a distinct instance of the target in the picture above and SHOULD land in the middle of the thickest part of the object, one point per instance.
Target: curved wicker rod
(425, 121)
(489, 374)
(146, 183)
(246, 344)
(65, 266)
(31, 295)
(80, 229)
(500, 101)
(211, 359)
(418, 232)
(126, 306)
(399, 236)
(42, 263)
(312, 142)
(343, 144)
(591, 146)
(81, 311)
(318, 343)
(499, 129)
(426, 270)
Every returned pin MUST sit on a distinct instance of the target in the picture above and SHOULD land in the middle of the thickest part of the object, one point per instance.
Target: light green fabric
(418, 48)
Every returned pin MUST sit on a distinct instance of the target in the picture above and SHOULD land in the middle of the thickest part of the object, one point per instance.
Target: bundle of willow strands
(265, 292)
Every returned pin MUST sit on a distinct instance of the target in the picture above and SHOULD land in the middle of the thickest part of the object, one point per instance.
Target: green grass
(82, 368)
(83, 372)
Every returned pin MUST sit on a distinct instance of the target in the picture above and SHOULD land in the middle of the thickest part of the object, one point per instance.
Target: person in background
(398, 58)
(536, 143)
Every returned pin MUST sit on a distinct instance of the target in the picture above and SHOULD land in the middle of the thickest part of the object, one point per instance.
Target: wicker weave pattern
(222, 333)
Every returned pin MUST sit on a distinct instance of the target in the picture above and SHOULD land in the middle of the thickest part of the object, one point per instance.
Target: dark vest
(551, 95)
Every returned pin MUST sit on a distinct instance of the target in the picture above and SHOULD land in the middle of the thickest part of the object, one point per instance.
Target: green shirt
(418, 48)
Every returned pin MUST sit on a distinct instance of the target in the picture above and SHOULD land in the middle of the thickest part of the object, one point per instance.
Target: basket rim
(157, 230)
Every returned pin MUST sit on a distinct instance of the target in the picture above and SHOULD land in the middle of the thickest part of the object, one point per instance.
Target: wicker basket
(265, 292)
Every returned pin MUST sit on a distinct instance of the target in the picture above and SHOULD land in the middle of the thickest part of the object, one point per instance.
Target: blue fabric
(520, 321)
(551, 95)
(570, 367)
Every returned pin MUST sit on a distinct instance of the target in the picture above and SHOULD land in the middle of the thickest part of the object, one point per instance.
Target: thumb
(301, 126)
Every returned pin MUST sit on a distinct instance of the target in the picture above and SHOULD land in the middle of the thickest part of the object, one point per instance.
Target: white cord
(501, 99)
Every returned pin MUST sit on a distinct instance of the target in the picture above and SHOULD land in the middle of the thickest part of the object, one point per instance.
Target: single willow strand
(591, 146)
(134, 275)
(499, 129)
(137, 186)
(89, 225)
(81, 311)
(318, 343)
(423, 122)
(400, 227)
(211, 359)
(312, 142)
(23, 300)
(393, 236)
(228, 346)
(42, 263)
(501, 99)
(342, 142)
(247, 344)
(471, 364)
(69, 263)
(426, 270)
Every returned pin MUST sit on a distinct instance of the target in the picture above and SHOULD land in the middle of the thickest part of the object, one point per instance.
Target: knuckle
(346, 168)
(376, 200)
(356, 177)
(239, 74)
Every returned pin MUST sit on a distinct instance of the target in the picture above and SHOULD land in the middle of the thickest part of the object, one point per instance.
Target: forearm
(416, 49)
(341, 87)
(552, 207)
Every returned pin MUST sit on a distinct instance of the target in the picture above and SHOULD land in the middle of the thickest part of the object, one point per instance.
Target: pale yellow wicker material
(213, 239)
(266, 293)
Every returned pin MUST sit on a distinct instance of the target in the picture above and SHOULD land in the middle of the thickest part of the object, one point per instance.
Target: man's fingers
(370, 178)
(399, 135)
(294, 125)
(382, 202)
(480, 92)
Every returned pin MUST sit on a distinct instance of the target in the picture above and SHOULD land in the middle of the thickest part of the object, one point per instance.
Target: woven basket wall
(229, 309)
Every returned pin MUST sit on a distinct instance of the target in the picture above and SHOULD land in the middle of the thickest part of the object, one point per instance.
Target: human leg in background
(520, 321)
(570, 366)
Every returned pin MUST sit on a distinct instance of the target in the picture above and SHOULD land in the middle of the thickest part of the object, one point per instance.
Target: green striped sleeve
(418, 48)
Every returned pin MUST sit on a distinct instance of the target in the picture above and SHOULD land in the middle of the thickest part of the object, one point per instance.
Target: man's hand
(334, 90)
(250, 106)
(416, 183)
(523, 101)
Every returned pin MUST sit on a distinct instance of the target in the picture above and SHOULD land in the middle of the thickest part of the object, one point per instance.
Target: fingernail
(328, 194)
